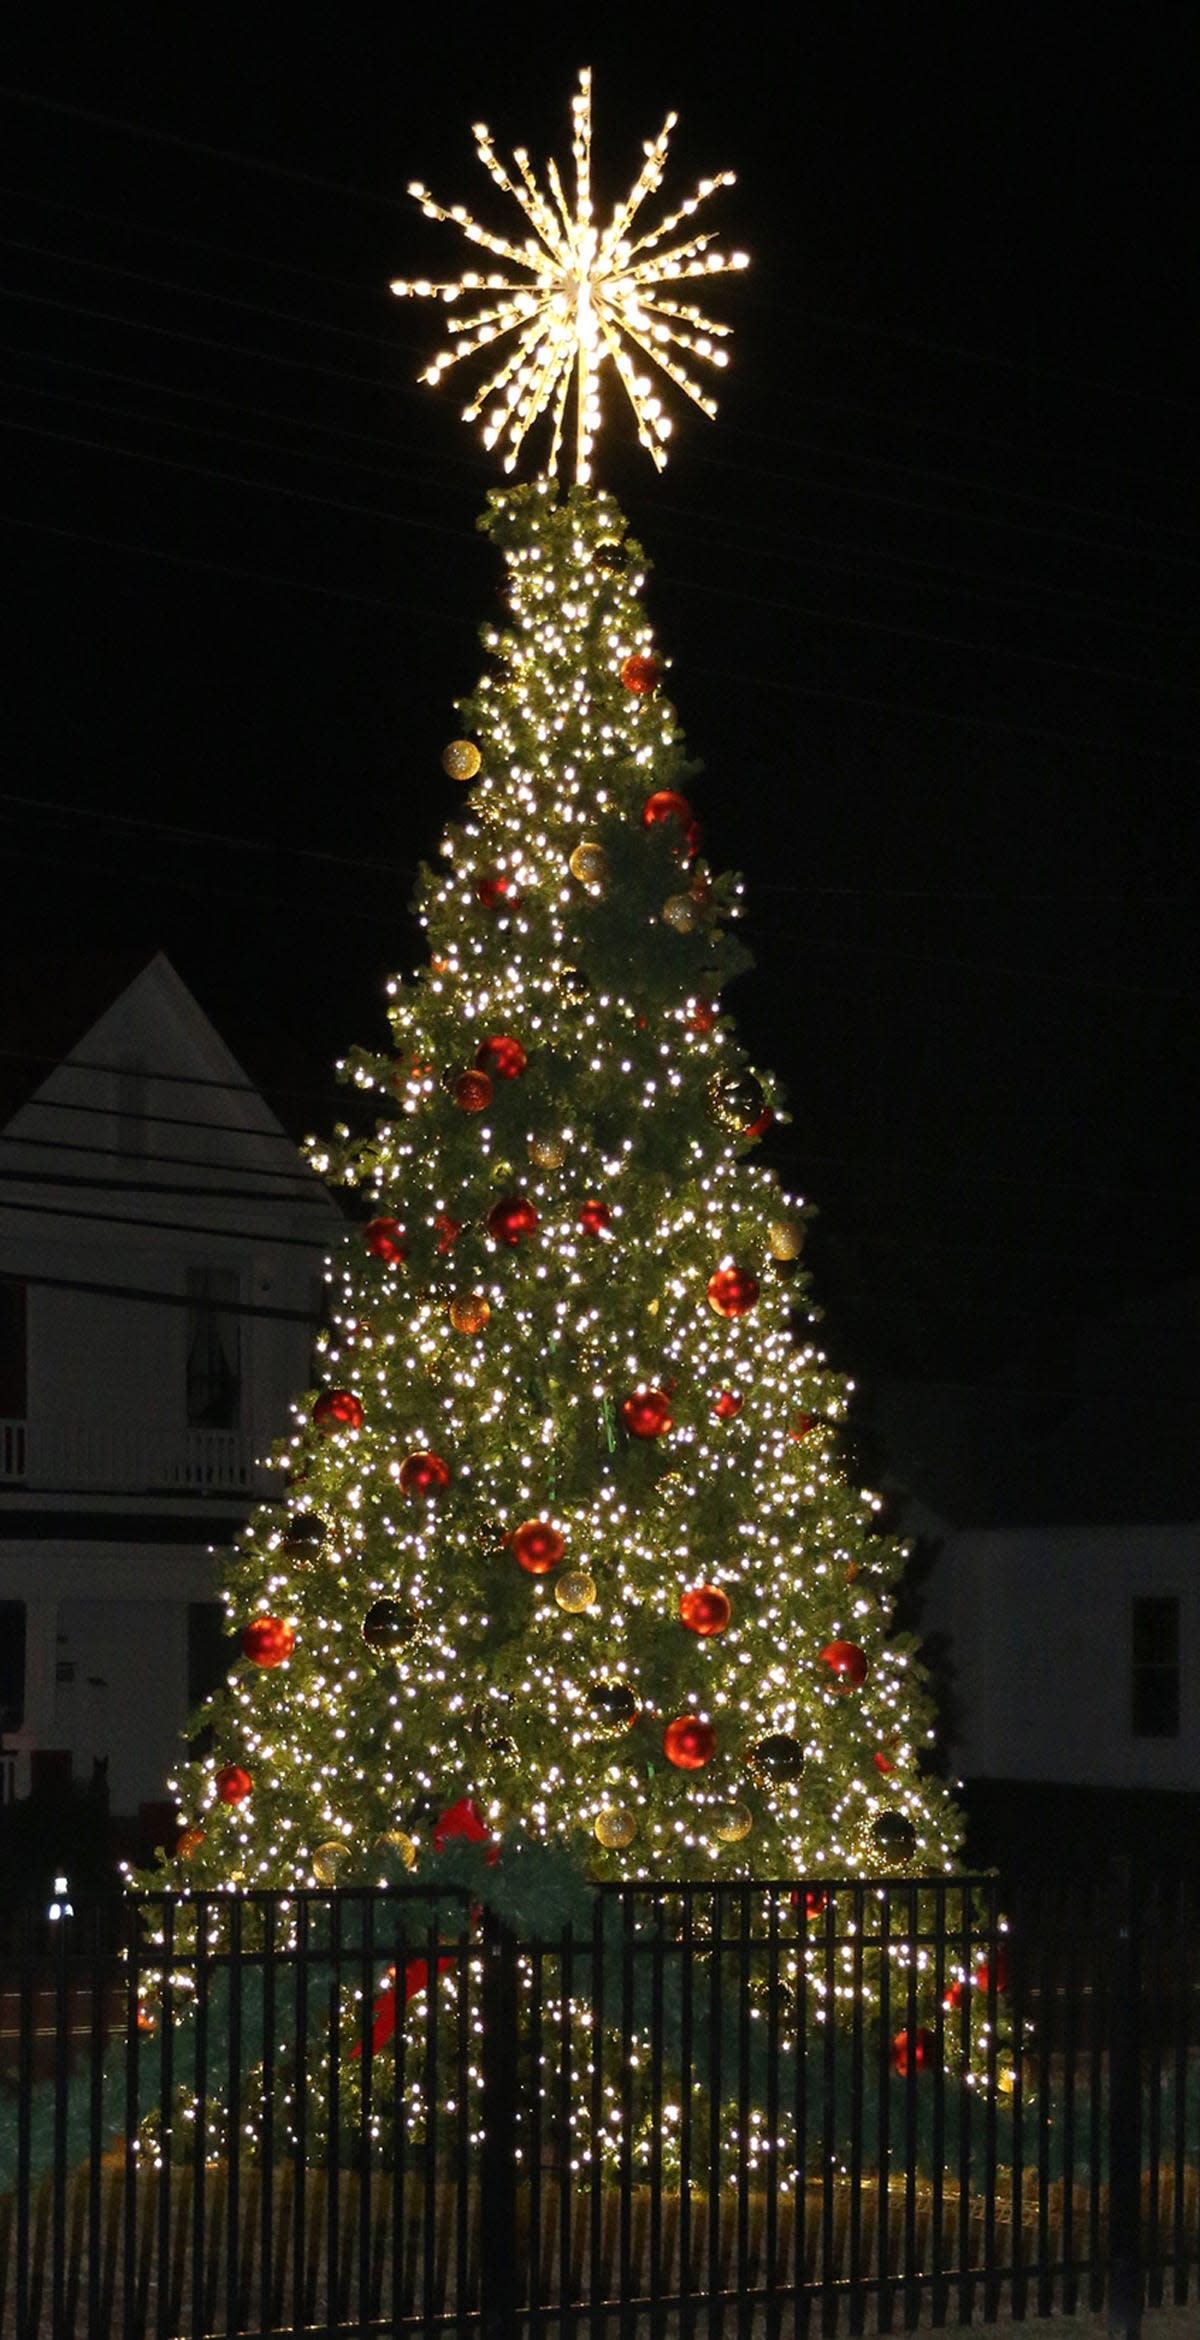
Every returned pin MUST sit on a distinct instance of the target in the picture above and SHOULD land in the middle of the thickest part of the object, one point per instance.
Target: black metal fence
(739, 2108)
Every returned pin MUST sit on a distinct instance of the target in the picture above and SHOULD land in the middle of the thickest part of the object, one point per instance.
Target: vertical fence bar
(333, 2143)
(858, 2294)
(1071, 2001)
(938, 2293)
(1045, 2039)
(204, 1918)
(884, 2139)
(498, 2171)
(299, 2114)
(461, 2164)
(129, 2205)
(829, 2302)
(97, 2049)
(368, 1991)
(1183, 1980)
(716, 2080)
(804, 1911)
(629, 1948)
(775, 2043)
(964, 1951)
(62, 2077)
(739, 1900)
(234, 2107)
(1099, 1935)
(26, 1987)
(687, 1955)
(991, 2159)
(657, 2049)
(914, 2066)
(564, 2119)
(1124, 2156)
(1154, 1983)
(600, 1995)
(536, 1958)
(164, 2017)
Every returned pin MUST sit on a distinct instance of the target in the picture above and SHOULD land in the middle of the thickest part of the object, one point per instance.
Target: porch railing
(126, 1458)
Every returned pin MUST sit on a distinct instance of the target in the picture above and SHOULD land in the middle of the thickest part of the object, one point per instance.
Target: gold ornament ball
(785, 1238)
(681, 914)
(461, 760)
(615, 1827)
(549, 1151)
(575, 1591)
(328, 1859)
(469, 1312)
(733, 1822)
(589, 863)
(395, 1841)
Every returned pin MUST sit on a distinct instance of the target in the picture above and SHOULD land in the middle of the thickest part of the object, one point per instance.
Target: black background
(928, 585)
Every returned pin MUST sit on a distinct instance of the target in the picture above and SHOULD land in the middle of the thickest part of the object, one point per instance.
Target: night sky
(928, 585)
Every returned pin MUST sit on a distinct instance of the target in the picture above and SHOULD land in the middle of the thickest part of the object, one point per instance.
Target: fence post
(498, 2162)
(1124, 2114)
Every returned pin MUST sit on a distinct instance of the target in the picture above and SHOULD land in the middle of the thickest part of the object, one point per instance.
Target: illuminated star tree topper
(584, 295)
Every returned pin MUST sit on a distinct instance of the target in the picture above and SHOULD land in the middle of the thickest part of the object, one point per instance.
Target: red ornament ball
(384, 1239)
(495, 890)
(732, 1291)
(538, 1547)
(800, 1425)
(913, 2050)
(338, 1409)
(501, 1056)
(267, 1641)
(847, 1662)
(647, 1414)
(666, 804)
(233, 1782)
(511, 1218)
(424, 1474)
(639, 673)
(473, 1091)
(704, 1608)
(689, 1743)
(595, 1217)
(883, 1763)
(727, 1405)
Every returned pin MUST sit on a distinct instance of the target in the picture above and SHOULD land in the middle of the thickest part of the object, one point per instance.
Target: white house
(161, 1248)
(1062, 1513)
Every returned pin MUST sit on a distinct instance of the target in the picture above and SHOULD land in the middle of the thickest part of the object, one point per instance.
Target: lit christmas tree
(570, 1550)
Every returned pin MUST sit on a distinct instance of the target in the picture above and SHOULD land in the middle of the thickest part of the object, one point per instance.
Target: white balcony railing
(120, 1458)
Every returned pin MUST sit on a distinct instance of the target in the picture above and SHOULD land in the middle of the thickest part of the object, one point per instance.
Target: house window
(12, 1665)
(214, 1370)
(13, 1350)
(1154, 1671)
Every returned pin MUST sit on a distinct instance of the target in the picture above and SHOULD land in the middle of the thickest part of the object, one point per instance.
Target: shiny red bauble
(847, 1662)
(727, 1405)
(501, 1056)
(267, 1641)
(595, 1217)
(473, 1091)
(338, 1409)
(883, 1763)
(647, 1414)
(537, 1546)
(423, 1474)
(689, 1743)
(495, 890)
(448, 1230)
(511, 1218)
(800, 1425)
(666, 804)
(233, 1782)
(384, 1239)
(914, 2051)
(704, 1608)
(639, 673)
(987, 1972)
(732, 1291)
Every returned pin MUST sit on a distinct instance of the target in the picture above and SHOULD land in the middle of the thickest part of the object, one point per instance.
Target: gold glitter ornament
(548, 1149)
(468, 1312)
(732, 1823)
(461, 760)
(615, 1827)
(681, 914)
(785, 1238)
(395, 1841)
(575, 1591)
(328, 1859)
(589, 863)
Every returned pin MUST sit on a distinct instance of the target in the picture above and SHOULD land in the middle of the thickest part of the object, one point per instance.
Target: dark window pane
(12, 1665)
(13, 1347)
(1156, 1630)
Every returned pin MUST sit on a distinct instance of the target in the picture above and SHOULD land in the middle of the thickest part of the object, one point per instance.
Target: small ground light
(60, 1907)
